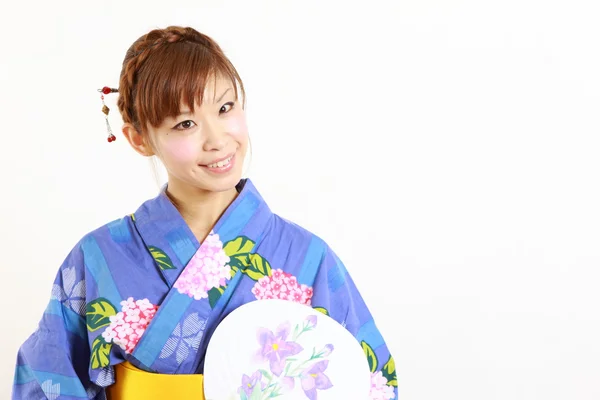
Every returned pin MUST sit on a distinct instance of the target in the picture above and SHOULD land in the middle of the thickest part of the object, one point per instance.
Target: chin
(223, 184)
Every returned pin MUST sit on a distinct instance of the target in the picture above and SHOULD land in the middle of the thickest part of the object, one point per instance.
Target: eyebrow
(223, 95)
(188, 112)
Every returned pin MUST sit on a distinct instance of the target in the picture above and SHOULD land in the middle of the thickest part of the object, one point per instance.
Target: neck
(201, 209)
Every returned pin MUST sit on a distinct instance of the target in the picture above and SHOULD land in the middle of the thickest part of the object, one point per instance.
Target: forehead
(214, 90)
(215, 86)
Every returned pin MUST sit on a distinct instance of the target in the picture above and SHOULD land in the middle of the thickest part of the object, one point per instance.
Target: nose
(215, 137)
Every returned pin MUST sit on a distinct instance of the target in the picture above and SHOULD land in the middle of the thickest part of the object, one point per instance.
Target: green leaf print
(266, 373)
(238, 251)
(258, 268)
(98, 313)
(161, 258)
(214, 294)
(240, 258)
(239, 262)
(240, 245)
(100, 353)
(321, 310)
(371, 357)
(389, 372)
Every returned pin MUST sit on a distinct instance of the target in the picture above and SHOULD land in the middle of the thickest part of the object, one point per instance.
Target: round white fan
(279, 349)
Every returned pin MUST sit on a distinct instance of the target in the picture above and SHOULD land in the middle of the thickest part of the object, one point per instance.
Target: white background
(447, 150)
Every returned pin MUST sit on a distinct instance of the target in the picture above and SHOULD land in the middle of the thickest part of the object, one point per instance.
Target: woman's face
(204, 149)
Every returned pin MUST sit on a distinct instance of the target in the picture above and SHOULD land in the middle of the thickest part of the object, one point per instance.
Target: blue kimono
(142, 289)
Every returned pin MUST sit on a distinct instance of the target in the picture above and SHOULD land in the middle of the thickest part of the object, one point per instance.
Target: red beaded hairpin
(106, 110)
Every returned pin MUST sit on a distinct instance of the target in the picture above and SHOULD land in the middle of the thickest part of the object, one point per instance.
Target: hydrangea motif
(209, 268)
(284, 286)
(380, 390)
(127, 327)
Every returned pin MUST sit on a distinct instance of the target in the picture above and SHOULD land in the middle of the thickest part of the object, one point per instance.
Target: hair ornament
(106, 110)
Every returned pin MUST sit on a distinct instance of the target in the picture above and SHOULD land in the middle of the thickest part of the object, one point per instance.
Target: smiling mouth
(221, 164)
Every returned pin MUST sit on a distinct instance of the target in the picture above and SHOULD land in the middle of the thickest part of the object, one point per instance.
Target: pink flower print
(284, 286)
(313, 378)
(380, 390)
(263, 283)
(284, 289)
(277, 275)
(283, 296)
(128, 325)
(297, 297)
(275, 348)
(308, 291)
(209, 268)
(249, 382)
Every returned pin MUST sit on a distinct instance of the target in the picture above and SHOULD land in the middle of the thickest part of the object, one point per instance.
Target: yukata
(143, 290)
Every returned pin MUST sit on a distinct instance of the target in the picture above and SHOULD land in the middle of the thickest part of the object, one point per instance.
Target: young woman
(136, 301)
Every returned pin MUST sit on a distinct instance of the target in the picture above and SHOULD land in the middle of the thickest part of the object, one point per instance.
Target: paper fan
(279, 349)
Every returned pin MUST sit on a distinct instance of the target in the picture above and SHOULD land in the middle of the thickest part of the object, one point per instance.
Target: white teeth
(220, 164)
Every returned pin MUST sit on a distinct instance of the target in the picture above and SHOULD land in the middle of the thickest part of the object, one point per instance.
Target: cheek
(236, 127)
(179, 149)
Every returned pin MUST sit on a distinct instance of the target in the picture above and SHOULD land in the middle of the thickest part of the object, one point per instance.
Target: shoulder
(109, 234)
(116, 231)
(320, 265)
(286, 226)
(91, 250)
(318, 246)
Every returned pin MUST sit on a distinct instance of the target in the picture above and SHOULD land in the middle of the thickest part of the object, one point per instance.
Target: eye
(187, 124)
(224, 108)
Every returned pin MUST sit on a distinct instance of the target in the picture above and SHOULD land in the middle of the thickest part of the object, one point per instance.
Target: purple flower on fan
(313, 378)
(326, 350)
(312, 321)
(249, 382)
(287, 383)
(275, 348)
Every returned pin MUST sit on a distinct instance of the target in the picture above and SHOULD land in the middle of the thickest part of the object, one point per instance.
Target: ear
(137, 140)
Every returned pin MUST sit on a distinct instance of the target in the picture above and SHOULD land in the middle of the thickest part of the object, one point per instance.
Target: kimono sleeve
(53, 362)
(336, 295)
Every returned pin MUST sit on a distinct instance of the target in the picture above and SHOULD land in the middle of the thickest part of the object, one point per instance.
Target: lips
(218, 160)
(220, 163)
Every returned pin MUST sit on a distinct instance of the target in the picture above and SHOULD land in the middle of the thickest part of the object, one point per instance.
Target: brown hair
(165, 67)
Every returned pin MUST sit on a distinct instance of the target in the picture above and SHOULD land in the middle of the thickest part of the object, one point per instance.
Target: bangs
(176, 73)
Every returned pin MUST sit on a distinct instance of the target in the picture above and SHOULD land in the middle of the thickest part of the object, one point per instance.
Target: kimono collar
(164, 230)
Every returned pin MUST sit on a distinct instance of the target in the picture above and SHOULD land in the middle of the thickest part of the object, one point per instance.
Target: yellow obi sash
(132, 383)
